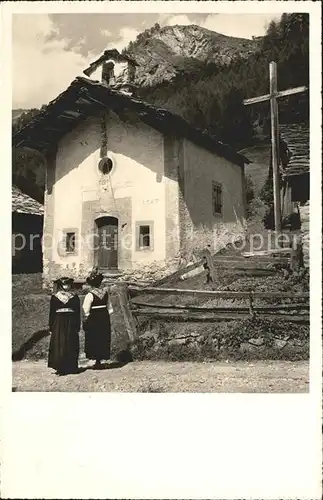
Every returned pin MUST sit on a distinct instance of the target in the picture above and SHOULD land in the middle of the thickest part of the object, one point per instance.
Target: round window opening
(105, 165)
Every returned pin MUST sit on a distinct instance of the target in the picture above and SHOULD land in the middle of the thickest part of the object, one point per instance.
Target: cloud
(45, 63)
(98, 31)
(182, 20)
(49, 51)
(126, 35)
(41, 69)
(239, 25)
(106, 32)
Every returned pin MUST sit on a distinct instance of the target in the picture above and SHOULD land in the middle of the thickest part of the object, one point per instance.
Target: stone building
(27, 228)
(129, 186)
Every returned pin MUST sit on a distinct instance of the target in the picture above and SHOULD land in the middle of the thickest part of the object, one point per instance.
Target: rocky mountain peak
(163, 53)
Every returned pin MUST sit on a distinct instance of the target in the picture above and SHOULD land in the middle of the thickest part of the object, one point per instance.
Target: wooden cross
(272, 97)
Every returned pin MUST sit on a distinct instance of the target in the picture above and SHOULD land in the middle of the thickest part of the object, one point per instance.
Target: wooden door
(108, 243)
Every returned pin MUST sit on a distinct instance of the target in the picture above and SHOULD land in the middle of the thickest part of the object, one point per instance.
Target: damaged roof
(23, 204)
(296, 139)
(85, 98)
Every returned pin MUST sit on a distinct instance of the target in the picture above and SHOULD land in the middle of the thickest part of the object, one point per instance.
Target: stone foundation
(243, 339)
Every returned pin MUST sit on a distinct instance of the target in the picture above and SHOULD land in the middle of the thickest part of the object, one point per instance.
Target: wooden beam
(126, 312)
(281, 93)
(209, 261)
(275, 143)
(134, 291)
(237, 309)
(211, 318)
(255, 100)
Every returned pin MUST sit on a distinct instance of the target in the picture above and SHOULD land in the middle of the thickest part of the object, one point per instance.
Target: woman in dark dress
(96, 324)
(64, 325)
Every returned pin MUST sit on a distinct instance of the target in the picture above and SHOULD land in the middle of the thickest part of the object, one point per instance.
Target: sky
(50, 50)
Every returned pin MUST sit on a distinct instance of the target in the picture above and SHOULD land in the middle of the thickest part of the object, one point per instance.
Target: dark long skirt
(64, 344)
(97, 330)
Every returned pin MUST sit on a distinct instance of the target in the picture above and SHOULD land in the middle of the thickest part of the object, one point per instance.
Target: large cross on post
(272, 97)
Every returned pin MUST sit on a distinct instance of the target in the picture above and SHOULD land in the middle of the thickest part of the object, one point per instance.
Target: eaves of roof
(23, 204)
(85, 98)
(296, 138)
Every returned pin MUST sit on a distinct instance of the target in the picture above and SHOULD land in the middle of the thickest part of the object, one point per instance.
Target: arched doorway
(107, 251)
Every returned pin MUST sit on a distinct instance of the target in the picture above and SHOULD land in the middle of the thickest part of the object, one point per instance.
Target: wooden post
(130, 325)
(275, 143)
(297, 258)
(209, 260)
(251, 309)
(273, 98)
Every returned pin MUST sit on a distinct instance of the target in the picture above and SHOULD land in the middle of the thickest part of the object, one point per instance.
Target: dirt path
(148, 376)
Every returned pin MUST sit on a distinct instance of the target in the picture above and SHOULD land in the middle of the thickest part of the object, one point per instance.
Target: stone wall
(232, 340)
(305, 231)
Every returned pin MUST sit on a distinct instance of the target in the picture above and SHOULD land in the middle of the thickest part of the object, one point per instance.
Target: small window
(105, 165)
(70, 242)
(144, 236)
(217, 198)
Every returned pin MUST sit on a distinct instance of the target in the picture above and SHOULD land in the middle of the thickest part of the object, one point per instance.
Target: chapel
(129, 185)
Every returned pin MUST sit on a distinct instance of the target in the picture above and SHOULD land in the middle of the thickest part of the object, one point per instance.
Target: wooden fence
(296, 312)
(259, 264)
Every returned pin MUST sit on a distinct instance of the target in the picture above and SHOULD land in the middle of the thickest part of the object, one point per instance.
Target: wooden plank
(246, 264)
(281, 93)
(209, 261)
(255, 100)
(126, 312)
(71, 114)
(265, 255)
(282, 307)
(248, 271)
(279, 252)
(198, 317)
(295, 90)
(134, 290)
(268, 308)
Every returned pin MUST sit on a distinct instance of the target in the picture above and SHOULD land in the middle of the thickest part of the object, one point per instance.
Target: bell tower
(115, 70)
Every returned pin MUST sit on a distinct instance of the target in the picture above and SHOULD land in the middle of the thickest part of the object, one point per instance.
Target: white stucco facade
(137, 176)
(201, 168)
(143, 188)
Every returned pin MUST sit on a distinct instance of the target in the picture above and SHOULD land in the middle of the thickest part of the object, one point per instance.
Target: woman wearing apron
(96, 324)
(64, 326)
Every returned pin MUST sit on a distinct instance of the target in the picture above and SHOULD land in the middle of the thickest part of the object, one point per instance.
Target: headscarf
(95, 279)
(64, 295)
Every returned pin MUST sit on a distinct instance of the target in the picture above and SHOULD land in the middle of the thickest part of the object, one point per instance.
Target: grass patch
(25, 284)
(30, 326)
(30, 312)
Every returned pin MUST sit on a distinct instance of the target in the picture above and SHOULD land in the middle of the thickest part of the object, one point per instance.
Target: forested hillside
(211, 97)
(208, 91)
